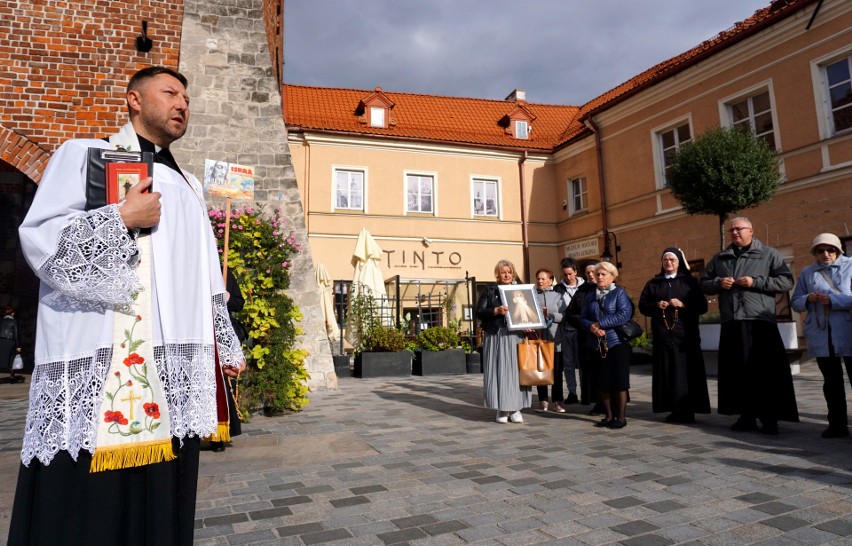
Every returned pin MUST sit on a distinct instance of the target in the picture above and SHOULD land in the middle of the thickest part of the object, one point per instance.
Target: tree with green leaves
(724, 170)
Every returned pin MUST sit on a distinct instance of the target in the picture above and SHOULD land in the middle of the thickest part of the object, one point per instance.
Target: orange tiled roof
(761, 19)
(425, 117)
(476, 121)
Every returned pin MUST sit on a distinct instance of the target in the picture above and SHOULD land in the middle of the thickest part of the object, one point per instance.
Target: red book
(120, 177)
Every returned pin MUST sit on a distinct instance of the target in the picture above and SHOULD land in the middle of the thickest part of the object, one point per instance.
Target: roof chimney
(517, 95)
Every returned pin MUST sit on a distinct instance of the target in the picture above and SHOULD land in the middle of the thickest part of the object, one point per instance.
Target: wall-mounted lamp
(143, 43)
(609, 237)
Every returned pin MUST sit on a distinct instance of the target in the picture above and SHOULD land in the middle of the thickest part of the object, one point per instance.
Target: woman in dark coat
(9, 345)
(674, 301)
(608, 308)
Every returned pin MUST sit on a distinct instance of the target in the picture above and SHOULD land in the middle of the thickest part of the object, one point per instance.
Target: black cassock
(679, 381)
(754, 373)
(156, 504)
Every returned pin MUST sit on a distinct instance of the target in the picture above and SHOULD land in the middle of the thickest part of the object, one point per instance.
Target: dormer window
(377, 116)
(517, 122)
(376, 110)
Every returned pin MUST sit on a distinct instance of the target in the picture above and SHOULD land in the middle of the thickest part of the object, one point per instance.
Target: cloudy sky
(560, 51)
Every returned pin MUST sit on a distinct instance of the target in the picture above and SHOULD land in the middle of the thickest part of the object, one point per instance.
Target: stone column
(236, 116)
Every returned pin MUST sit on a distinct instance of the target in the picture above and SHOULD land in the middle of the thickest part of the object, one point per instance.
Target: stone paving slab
(417, 461)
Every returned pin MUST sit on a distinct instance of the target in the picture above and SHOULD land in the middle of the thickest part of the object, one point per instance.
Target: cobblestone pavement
(418, 461)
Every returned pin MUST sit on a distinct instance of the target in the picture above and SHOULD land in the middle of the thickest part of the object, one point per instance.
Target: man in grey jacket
(754, 375)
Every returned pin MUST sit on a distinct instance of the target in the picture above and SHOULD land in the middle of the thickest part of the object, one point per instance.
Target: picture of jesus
(522, 313)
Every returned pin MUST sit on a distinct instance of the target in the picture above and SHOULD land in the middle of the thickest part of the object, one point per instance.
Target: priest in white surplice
(131, 329)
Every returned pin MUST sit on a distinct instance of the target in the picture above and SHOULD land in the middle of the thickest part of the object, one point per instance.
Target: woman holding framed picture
(502, 388)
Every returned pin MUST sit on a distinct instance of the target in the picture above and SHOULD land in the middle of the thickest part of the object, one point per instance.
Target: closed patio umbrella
(367, 278)
(324, 283)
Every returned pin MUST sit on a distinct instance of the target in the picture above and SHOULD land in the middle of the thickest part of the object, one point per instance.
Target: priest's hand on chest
(141, 208)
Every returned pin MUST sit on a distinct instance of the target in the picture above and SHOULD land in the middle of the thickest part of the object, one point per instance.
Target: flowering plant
(260, 253)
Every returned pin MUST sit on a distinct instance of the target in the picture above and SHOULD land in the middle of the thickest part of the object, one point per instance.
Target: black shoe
(835, 432)
(572, 399)
(615, 424)
(603, 423)
(744, 424)
(217, 447)
(681, 418)
(769, 427)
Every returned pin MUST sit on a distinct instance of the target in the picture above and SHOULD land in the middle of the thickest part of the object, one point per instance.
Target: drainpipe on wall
(524, 234)
(590, 123)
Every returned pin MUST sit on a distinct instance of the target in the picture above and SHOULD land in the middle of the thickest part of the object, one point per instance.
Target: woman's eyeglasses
(826, 250)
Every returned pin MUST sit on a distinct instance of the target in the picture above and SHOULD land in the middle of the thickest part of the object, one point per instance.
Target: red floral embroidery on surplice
(133, 359)
(114, 417)
(152, 410)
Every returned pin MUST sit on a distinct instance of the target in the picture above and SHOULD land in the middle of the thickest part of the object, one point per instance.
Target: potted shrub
(382, 353)
(472, 359)
(439, 352)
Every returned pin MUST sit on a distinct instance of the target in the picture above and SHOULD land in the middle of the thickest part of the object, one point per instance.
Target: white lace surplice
(85, 261)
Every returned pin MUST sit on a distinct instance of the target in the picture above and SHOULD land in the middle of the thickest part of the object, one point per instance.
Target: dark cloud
(560, 51)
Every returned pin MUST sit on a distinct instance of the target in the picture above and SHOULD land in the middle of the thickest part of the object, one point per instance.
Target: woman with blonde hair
(502, 388)
(609, 308)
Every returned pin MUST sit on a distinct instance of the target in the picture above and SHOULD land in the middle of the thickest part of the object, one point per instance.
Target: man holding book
(133, 335)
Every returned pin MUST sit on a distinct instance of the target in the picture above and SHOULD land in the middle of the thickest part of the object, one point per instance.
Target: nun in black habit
(674, 301)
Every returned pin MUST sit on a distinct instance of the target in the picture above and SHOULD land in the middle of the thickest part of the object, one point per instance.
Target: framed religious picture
(524, 311)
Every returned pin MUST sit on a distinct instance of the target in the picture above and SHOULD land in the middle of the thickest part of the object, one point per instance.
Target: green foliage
(724, 170)
(453, 322)
(643, 341)
(383, 339)
(710, 318)
(361, 318)
(437, 338)
(260, 252)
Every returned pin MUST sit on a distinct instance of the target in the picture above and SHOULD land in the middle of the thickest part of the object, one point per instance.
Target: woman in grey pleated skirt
(500, 352)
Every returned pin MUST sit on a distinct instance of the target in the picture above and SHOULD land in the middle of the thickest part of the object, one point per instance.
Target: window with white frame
(485, 197)
(377, 116)
(755, 113)
(348, 189)
(419, 193)
(522, 129)
(669, 141)
(838, 79)
(577, 196)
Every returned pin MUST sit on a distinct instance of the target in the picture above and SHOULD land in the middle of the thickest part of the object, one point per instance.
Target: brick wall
(64, 65)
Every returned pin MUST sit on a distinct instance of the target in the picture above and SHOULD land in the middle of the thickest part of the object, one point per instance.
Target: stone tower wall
(236, 117)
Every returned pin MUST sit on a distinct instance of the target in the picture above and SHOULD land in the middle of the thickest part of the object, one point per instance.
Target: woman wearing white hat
(824, 290)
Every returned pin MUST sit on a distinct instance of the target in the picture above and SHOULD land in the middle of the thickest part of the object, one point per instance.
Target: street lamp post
(607, 256)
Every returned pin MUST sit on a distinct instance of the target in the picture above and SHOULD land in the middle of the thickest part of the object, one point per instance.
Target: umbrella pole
(227, 235)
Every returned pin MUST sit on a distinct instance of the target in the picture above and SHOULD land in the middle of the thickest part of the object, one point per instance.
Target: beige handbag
(535, 362)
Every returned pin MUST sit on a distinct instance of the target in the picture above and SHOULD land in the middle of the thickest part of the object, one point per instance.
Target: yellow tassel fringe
(222, 434)
(118, 457)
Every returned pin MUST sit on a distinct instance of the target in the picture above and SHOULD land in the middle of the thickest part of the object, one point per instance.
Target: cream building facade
(448, 186)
